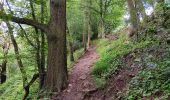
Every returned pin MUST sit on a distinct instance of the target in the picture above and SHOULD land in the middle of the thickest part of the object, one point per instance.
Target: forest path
(80, 79)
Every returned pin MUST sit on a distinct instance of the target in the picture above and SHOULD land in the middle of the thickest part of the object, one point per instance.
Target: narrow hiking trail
(82, 87)
(80, 80)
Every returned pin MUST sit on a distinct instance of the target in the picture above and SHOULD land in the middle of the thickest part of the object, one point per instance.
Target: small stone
(83, 77)
(70, 85)
(87, 84)
(68, 90)
(119, 76)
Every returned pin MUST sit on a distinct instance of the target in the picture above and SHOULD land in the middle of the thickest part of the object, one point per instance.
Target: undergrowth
(77, 54)
(12, 89)
(110, 54)
(152, 81)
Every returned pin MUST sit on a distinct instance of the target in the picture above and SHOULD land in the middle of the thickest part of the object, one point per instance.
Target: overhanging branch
(23, 21)
(29, 22)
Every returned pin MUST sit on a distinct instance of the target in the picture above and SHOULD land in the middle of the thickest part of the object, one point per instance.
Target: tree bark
(89, 37)
(142, 10)
(88, 15)
(71, 51)
(85, 32)
(57, 78)
(3, 69)
(8, 17)
(70, 43)
(42, 66)
(41, 70)
(101, 23)
(84, 41)
(133, 16)
(102, 28)
(3, 75)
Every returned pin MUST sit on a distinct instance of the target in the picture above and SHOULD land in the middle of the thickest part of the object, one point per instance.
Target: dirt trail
(81, 85)
(80, 80)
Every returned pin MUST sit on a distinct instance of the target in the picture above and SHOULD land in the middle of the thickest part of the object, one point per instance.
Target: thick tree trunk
(57, 78)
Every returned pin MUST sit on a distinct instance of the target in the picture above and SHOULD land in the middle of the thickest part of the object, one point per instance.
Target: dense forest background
(41, 40)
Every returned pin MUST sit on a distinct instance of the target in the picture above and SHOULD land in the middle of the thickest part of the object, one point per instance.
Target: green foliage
(75, 20)
(77, 55)
(110, 55)
(152, 80)
(159, 11)
(12, 89)
(151, 29)
(100, 82)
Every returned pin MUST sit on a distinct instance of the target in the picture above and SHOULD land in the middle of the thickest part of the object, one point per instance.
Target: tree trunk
(57, 78)
(102, 28)
(160, 1)
(70, 43)
(85, 35)
(89, 37)
(71, 51)
(4, 65)
(40, 56)
(84, 41)
(88, 15)
(141, 9)
(19, 61)
(101, 23)
(133, 16)
(42, 51)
